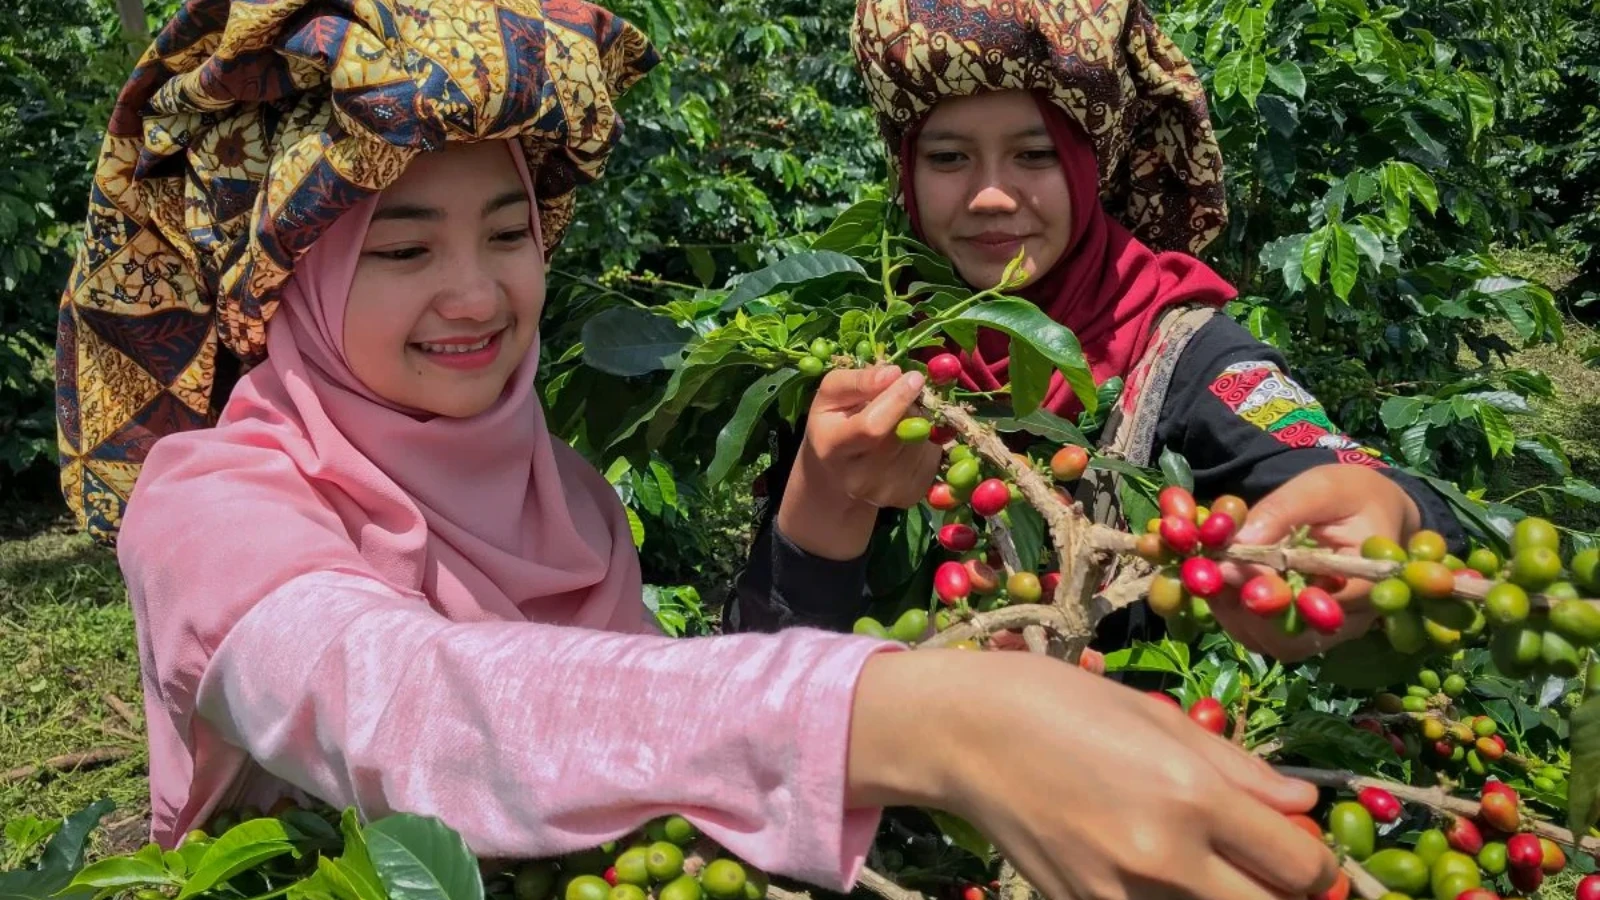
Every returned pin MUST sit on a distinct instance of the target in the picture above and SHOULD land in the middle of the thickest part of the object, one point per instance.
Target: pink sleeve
(535, 740)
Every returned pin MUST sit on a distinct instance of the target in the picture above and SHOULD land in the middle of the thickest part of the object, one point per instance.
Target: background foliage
(1381, 159)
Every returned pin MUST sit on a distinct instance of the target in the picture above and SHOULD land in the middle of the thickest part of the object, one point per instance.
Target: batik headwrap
(247, 128)
(1104, 62)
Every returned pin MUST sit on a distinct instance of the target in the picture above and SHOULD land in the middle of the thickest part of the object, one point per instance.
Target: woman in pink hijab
(379, 581)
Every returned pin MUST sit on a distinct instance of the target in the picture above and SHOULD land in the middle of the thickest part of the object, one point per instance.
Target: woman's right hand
(851, 464)
(1093, 791)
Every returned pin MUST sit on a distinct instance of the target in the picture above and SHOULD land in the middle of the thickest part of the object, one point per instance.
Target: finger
(884, 413)
(1220, 879)
(914, 469)
(1253, 776)
(1265, 847)
(850, 389)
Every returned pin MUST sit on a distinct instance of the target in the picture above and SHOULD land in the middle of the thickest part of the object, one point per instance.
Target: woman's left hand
(1344, 505)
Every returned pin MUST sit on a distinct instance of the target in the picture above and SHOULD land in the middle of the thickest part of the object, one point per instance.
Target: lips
(449, 346)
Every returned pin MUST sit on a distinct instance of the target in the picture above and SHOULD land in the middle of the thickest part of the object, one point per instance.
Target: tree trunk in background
(134, 29)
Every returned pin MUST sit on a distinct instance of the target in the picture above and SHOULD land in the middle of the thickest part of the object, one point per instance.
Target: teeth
(455, 348)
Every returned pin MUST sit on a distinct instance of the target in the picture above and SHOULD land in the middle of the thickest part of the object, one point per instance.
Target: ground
(67, 640)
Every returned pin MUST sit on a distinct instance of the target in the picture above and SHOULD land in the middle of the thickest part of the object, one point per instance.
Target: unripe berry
(1069, 463)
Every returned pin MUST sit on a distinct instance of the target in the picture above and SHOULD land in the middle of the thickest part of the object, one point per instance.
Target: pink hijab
(483, 518)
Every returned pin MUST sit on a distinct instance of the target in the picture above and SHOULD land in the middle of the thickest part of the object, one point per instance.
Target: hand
(850, 435)
(1344, 505)
(851, 463)
(1093, 791)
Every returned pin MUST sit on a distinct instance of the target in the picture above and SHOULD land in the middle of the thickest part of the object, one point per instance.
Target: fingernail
(914, 380)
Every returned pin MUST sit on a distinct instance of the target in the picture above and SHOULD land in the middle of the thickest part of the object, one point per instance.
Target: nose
(472, 294)
(991, 198)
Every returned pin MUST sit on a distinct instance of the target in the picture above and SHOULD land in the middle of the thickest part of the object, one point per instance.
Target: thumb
(853, 388)
(1274, 516)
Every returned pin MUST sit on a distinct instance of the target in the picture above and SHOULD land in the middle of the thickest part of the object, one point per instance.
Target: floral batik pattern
(247, 128)
(1264, 395)
(1105, 62)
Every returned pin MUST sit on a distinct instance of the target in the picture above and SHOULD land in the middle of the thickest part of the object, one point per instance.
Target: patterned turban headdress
(1105, 62)
(246, 129)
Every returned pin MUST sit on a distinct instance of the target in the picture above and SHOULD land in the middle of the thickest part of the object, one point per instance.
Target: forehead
(460, 172)
(1000, 113)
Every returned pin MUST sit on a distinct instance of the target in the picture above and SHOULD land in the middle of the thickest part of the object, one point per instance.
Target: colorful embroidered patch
(1266, 397)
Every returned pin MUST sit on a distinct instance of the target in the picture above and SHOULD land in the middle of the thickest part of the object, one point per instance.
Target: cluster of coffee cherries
(666, 860)
(1458, 858)
(1472, 742)
(1533, 605)
(1185, 541)
(968, 494)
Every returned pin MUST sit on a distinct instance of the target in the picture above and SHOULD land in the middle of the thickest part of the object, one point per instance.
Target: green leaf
(1497, 430)
(1316, 250)
(1583, 490)
(245, 846)
(1252, 26)
(733, 437)
(1028, 323)
(963, 834)
(124, 872)
(627, 341)
(1583, 784)
(665, 481)
(1045, 424)
(346, 881)
(1225, 77)
(1028, 535)
(1175, 469)
(1030, 377)
(854, 226)
(1289, 78)
(1422, 187)
(1479, 97)
(422, 858)
(60, 861)
(1368, 663)
(1430, 148)
(1280, 114)
(1547, 449)
(701, 263)
(1146, 657)
(1344, 264)
(1332, 741)
(24, 833)
(1370, 245)
(791, 272)
(1414, 445)
(635, 526)
(1400, 412)
(1252, 77)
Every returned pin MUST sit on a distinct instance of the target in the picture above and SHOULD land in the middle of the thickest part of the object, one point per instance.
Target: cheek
(938, 198)
(1053, 205)
(376, 329)
(527, 290)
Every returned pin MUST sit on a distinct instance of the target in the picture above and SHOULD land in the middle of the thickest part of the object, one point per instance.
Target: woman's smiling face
(989, 186)
(447, 295)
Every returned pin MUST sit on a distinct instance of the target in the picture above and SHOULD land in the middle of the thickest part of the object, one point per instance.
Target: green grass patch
(66, 642)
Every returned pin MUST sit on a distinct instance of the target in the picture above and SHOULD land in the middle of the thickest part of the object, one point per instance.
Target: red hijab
(1108, 287)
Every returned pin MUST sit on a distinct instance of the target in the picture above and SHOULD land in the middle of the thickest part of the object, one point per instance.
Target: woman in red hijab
(988, 112)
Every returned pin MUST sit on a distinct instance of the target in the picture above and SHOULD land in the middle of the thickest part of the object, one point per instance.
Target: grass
(1573, 416)
(66, 642)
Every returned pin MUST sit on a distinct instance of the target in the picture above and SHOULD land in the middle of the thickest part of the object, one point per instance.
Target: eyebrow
(1031, 131)
(414, 212)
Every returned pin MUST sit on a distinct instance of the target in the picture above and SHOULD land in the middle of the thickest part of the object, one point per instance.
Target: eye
(400, 255)
(945, 157)
(1038, 157)
(514, 235)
